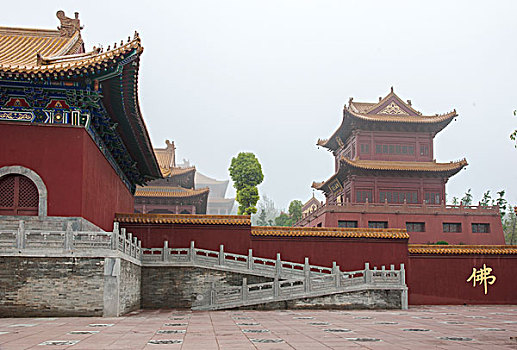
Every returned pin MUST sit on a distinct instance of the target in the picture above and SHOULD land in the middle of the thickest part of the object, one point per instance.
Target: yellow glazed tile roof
(406, 166)
(462, 249)
(62, 63)
(404, 118)
(279, 231)
(176, 171)
(20, 47)
(184, 219)
(176, 192)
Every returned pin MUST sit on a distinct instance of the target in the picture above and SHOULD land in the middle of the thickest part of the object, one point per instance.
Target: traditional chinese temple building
(176, 192)
(386, 176)
(73, 142)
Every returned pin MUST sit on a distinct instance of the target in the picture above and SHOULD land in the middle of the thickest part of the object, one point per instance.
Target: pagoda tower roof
(397, 167)
(390, 112)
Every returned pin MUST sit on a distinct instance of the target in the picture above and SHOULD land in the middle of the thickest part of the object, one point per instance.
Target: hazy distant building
(176, 193)
(217, 203)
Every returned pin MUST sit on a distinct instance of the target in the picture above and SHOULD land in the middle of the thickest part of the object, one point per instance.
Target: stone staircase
(291, 281)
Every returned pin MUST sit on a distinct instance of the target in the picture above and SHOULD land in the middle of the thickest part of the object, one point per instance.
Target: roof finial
(136, 35)
(392, 89)
(350, 100)
(68, 25)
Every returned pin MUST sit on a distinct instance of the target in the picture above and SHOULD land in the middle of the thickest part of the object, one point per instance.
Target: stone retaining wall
(178, 287)
(51, 286)
(68, 286)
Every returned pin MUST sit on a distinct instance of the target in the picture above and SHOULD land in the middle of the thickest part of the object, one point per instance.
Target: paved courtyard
(429, 327)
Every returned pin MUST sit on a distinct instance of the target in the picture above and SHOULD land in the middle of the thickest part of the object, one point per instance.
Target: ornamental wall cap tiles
(184, 219)
(329, 232)
(462, 249)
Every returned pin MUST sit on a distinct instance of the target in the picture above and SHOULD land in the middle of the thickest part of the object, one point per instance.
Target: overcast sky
(271, 77)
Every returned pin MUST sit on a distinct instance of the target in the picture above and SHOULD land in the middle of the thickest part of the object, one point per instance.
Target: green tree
(510, 228)
(467, 198)
(246, 173)
(283, 220)
(295, 210)
(501, 202)
(266, 213)
(485, 202)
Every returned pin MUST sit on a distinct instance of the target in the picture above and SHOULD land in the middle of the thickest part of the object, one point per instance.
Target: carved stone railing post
(135, 244)
(123, 234)
(404, 296)
(307, 275)
(278, 265)
(221, 255)
(69, 237)
(130, 241)
(337, 274)
(244, 289)
(140, 253)
(192, 252)
(250, 259)
(20, 235)
(367, 273)
(276, 287)
(165, 251)
(114, 236)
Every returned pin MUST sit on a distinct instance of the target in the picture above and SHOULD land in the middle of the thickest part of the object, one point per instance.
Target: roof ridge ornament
(68, 25)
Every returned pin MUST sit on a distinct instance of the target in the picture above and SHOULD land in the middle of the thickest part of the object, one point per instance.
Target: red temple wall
(433, 226)
(350, 254)
(80, 181)
(432, 279)
(104, 193)
(442, 279)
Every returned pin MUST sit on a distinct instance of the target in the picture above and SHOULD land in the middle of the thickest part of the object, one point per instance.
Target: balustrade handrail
(69, 240)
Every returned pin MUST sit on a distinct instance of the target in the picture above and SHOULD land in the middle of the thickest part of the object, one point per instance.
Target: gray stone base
(67, 286)
(179, 287)
(368, 299)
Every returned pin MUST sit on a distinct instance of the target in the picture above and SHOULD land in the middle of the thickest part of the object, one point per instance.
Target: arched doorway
(18, 196)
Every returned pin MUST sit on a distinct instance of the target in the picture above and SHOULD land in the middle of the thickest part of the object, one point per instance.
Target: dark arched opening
(18, 196)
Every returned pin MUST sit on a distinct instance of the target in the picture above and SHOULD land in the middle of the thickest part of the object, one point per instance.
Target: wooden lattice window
(18, 196)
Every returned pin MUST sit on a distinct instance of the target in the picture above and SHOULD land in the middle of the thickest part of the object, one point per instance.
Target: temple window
(480, 228)
(415, 226)
(395, 149)
(451, 227)
(398, 196)
(432, 197)
(377, 224)
(365, 148)
(424, 150)
(347, 223)
(362, 195)
(18, 196)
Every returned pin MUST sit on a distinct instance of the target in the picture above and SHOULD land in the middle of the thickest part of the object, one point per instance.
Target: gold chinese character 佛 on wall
(482, 277)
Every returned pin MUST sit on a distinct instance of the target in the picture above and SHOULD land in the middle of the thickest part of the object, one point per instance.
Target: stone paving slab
(426, 327)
